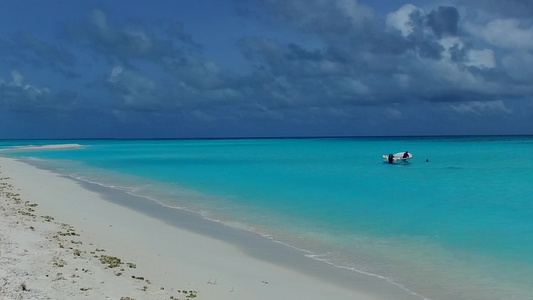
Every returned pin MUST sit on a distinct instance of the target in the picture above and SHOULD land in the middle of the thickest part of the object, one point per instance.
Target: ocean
(455, 222)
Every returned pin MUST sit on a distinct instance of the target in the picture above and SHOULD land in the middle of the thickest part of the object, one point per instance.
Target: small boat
(397, 158)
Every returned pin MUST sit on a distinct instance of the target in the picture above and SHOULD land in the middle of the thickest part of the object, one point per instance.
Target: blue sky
(262, 68)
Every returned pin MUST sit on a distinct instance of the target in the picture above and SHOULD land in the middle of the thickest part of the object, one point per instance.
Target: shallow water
(456, 227)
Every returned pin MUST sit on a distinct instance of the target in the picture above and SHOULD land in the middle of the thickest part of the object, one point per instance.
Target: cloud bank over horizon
(269, 68)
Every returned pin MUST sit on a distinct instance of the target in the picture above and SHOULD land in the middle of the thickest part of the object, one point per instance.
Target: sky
(265, 68)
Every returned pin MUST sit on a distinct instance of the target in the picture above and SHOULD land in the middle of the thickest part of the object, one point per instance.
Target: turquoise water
(457, 227)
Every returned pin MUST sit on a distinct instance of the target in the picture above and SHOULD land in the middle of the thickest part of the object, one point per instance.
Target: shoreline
(180, 250)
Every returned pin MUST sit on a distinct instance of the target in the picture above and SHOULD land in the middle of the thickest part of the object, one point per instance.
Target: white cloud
(99, 20)
(519, 65)
(134, 89)
(352, 87)
(404, 81)
(354, 10)
(17, 80)
(330, 67)
(505, 33)
(478, 107)
(401, 19)
(18, 95)
(483, 59)
(143, 41)
(448, 74)
(115, 72)
(395, 114)
(448, 43)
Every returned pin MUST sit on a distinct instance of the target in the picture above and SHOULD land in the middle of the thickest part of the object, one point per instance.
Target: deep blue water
(457, 227)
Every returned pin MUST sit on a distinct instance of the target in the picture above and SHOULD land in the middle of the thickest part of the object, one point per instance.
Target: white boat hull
(398, 157)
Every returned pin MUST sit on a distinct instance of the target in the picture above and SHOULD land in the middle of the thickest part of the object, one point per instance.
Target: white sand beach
(60, 240)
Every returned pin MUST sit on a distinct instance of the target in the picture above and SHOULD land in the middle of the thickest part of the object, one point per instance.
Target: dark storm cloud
(19, 96)
(176, 52)
(189, 81)
(347, 61)
(426, 45)
(177, 30)
(197, 72)
(282, 60)
(295, 67)
(444, 21)
(324, 17)
(344, 68)
(25, 48)
(360, 62)
(297, 53)
(119, 44)
(349, 27)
